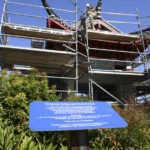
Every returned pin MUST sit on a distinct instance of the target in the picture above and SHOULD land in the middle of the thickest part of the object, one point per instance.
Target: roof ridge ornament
(53, 15)
(98, 8)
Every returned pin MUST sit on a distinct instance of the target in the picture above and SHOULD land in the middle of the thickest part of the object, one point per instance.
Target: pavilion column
(125, 91)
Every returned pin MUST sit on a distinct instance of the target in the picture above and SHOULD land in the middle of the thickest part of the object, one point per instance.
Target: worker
(91, 13)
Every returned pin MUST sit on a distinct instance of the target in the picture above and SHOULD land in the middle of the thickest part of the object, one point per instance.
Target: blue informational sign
(58, 116)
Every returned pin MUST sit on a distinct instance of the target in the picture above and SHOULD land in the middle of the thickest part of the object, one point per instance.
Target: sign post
(78, 140)
(75, 117)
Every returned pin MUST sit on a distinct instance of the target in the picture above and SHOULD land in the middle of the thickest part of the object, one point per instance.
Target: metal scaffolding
(65, 64)
(57, 61)
(113, 36)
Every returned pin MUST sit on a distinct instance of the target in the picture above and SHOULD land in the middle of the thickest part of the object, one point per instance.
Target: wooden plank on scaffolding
(116, 77)
(35, 32)
(36, 58)
(31, 58)
(106, 35)
(113, 77)
(27, 69)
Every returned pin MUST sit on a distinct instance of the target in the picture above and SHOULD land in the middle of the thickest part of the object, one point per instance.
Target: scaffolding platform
(52, 60)
(116, 77)
(37, 32)
(106, 35)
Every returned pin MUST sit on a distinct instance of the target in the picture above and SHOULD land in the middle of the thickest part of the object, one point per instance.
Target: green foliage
(136, 136)
(73, 98)
(17, 91)
(138, 127)
(7, 139)
(63, 147)
(10, 141)
(47, 147)
(98, 146)
(44, 145)
(28, 144)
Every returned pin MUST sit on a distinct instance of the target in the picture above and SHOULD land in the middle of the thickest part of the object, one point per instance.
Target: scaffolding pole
(107, 92)
(117, 60)
(2, 19)
(22, 4)
(120, 14)
(77, 76)
(3, 12)
(111, 50)
(33, 16)
(142, 41)
(88, 59)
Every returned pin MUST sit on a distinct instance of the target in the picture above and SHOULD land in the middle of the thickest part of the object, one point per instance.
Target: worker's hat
(87, 5)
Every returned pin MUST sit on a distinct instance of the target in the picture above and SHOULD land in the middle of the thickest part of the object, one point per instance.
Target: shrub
(135, 136)
(10, 141)
(17, 91)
